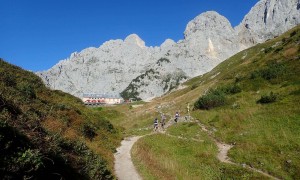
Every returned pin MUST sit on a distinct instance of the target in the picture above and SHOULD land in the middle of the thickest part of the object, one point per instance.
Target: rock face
(134, 70)
(268, 18)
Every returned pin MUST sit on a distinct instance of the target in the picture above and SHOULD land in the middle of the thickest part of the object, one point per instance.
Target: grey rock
(268, 18)
(129, 67)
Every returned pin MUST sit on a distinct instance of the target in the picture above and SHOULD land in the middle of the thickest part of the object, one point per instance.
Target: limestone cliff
(135, 70)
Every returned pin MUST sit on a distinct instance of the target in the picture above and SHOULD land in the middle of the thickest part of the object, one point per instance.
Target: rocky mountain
(135, 70)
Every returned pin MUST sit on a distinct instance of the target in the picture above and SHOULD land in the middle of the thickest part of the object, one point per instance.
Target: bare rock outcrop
(131, 68)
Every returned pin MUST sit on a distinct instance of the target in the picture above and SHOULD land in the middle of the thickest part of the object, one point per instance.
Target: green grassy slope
(263, 120)
(50, 134)
(250, 100)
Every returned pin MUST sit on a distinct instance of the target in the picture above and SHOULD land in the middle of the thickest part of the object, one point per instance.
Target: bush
(267, 50)
(232, 89)
(255, 74)
(274, 70)
(265, 99)
(194, 86)
(31, 160)
(99, 108)
(89, 131)
(9, 79)
(28, 91)
(293, 33)
(278, 49)
(214, 98)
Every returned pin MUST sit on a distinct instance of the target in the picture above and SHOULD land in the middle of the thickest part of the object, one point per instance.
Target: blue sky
(36, 34)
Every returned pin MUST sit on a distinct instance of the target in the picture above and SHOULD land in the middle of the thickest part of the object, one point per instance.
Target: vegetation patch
(265, 99)
(162, 60)
(216, 97)
(45, 133)
(213, 98)
(180, 156)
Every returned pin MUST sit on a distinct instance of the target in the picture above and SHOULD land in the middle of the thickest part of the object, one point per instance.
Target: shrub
(162, 60)
(293, 33)
(274, 70)
(9, 79)
(214, 98)
(255, 74)
(28, 91)
(89, 131)
(194, 86)
(238, 79)
(232, 89)
(268, 98)
(267, 50)
(278, 49)
(99, 108)
(31, 160)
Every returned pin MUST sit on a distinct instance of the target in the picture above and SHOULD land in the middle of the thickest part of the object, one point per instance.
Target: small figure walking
(163, 121)
(155, 124)
(176, 117)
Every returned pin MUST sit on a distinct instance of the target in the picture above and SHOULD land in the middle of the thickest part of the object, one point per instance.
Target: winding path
(223, 153)
(124, 167)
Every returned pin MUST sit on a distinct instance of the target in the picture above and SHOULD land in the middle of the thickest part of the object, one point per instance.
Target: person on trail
(163, 121)
(176, 117)
(155, 124)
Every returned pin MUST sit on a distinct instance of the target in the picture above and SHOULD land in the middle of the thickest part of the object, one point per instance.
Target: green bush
(268, 98)
(9, 79)
(278, 49)
(214, 98)
(28, 91)
(267, 50)
(99, 108)
(194, 86)
(293, 33)
(273, 70)
(89, 131)
(255, 74)
(30, 160)
(232, 89)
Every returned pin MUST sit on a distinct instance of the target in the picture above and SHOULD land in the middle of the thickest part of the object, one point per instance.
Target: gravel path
(124, 167)
(223, 153)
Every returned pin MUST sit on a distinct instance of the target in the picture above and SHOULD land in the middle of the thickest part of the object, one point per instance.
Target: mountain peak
(207, 21)
(135, 39)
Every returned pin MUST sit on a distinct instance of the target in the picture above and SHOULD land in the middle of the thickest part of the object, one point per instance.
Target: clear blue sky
(36, 34)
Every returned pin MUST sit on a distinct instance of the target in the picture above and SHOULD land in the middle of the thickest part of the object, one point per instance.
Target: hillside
(250, 101)
(47, 134)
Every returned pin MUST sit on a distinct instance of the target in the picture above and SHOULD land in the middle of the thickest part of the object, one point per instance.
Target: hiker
(176, 117)
(155, 124)
(163, 121)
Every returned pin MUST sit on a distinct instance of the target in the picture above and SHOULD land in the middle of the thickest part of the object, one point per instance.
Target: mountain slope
(250, 101)
(50, 134)
(208, 40)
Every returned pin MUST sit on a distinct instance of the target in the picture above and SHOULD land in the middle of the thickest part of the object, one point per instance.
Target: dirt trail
(223, 153)
(124, 167)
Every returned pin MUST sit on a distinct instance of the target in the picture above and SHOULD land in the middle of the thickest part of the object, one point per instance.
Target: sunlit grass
(265, 136)
(164, 157)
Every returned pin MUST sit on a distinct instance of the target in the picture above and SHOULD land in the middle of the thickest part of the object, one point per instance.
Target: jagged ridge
(209, 39)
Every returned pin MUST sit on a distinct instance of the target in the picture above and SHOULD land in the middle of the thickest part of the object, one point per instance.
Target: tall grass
(164, 157)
